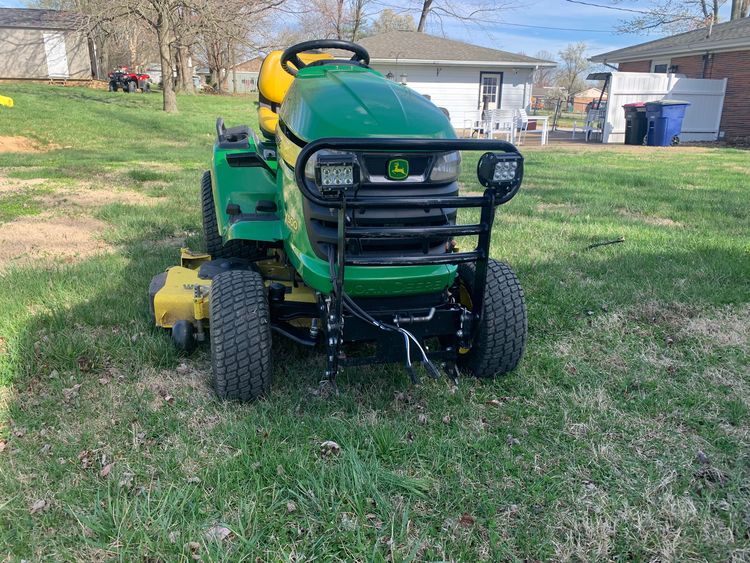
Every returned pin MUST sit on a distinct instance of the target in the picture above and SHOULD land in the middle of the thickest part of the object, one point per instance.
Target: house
(246, 76)
(457, 76)
(42, 44)
(721, 51)
(582, 99)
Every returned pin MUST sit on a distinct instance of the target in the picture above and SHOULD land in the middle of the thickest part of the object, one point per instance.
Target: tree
(388, 20)
(328, 19)
(545, 76)
(572, 69)
(473, 11)
(740, 9)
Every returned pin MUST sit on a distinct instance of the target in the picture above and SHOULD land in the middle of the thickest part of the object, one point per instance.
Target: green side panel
(244, 186)
(358, 281)
(255, 230)
(346, 101)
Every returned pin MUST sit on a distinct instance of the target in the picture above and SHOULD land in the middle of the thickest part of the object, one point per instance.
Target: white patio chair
(473, 123)
(502, 121)
(522, 126)
(594, 123)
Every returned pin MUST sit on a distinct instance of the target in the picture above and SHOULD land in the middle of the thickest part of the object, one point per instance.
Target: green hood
(345, 101)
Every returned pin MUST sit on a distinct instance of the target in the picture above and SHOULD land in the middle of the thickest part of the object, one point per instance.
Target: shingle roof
(416, 46)
(722, 35)
(38, 19)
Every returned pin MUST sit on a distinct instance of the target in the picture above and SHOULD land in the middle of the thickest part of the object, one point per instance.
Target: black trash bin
(636, 124)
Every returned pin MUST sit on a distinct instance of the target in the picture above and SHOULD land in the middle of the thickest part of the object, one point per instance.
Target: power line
(564, 28)
(616, 8)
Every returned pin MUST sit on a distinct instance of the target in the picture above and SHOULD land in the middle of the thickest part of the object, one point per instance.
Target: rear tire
(215, 246)
(240, 336)
(501, 338)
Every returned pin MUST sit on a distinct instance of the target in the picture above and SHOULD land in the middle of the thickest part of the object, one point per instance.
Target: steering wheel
(291, 55)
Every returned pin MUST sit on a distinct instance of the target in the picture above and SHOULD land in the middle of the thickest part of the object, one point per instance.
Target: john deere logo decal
(398, 169)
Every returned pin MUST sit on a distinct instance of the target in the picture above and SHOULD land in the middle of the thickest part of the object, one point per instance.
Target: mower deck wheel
(183, 336)
(214, 244)
(501, 336)
(240, 336)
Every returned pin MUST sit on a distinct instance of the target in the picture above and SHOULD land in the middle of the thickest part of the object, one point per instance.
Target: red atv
(128, 81)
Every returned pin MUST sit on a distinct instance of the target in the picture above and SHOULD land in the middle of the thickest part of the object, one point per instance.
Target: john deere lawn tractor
(336, 227)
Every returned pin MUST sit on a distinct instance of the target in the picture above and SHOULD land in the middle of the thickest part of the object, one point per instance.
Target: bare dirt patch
(18, 144)
(63, 239)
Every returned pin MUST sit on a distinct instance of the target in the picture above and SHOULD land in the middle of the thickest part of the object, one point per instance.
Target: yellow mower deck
(185, 296)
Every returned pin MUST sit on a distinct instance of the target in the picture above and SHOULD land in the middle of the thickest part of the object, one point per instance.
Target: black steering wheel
(291, 55)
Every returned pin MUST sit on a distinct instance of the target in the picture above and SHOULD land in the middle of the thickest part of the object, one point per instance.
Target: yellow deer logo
(398, 169)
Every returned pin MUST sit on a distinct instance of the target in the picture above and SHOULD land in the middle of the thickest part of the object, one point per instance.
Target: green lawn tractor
(335, 227)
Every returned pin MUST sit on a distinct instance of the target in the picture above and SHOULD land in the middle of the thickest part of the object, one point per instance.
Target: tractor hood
(346, 101)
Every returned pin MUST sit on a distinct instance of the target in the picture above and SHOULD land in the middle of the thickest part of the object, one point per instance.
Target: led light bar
(335, 173)
(501, 171)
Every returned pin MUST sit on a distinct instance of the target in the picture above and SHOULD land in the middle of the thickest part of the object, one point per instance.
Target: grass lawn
(624, 434)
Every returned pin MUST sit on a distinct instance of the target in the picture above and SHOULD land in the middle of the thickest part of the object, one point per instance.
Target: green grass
(637, 360)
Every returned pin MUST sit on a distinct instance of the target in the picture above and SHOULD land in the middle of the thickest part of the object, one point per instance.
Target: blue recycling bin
(664, 119)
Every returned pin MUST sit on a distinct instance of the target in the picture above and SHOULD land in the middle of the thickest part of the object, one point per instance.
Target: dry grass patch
(726, 327)
(16, 185)
(652, 220)
(91, 198)
(559, 207)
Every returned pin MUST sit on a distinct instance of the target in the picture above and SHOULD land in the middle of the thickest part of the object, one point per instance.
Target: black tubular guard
(344, 200)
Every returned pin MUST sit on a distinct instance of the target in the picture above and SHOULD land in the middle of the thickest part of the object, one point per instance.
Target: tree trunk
(184, 73)
(739, 9)
(423, 16)
(165, 56)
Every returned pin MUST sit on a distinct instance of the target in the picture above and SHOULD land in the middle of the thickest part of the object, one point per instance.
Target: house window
(660, 66)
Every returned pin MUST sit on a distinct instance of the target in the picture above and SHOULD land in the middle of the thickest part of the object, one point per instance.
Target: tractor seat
(273, 84)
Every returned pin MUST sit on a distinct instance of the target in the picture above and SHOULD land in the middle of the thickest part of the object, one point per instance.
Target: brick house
(722, 51)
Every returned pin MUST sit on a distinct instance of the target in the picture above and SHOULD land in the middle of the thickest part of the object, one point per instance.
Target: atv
(336, 228)
(123, 79)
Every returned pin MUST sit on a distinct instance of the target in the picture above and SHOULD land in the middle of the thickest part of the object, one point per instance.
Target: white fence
(702, 118)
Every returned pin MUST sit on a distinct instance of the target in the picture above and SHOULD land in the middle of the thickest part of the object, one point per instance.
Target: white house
(457, 76)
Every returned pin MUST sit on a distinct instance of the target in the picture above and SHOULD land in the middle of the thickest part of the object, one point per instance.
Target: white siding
(457, 88)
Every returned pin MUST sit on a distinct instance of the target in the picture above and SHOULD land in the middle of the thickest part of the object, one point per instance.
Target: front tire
(214, 244)
(501, 337)
(240, 336)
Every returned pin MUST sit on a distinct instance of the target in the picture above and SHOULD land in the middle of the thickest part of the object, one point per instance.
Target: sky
(601, 25)
(597, 27)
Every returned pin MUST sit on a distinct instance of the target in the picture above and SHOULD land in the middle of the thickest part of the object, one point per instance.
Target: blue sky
(545, 13)
(557, 14)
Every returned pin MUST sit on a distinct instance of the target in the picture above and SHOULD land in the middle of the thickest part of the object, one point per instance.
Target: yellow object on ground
(6, 101)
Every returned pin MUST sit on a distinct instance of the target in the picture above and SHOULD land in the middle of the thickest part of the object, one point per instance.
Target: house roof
(413, 47)
(38, 19)
(731, 35)
(250, 65)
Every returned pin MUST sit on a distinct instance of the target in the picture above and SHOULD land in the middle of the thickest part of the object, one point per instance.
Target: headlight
(447, 167)
(333, 171)
(501, 171)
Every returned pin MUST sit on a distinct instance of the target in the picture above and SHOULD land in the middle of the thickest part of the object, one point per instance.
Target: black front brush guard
(348, 199)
